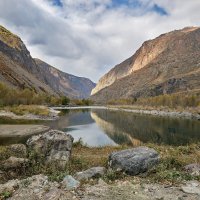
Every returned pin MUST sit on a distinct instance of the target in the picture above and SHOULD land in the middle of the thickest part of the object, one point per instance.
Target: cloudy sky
(88, 37)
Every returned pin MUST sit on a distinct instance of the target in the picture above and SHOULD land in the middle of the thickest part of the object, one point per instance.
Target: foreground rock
(18, 149)
(93, 172)
(35, 187)
(54, 146)
(70, 183)
(21, 130)
(134, 161)
(14, 163)
(192, 187)
(193, 169)
(135, 190)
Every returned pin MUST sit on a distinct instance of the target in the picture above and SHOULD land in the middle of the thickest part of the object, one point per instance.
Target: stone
(70, 183)
(93, 172)
(193, 169)
(10, 186)
(191, 187)
(14, 163)
(134, 161)
(54, 145)
(19, 149)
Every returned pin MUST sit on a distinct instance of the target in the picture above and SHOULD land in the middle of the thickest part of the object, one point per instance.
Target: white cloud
(88, 37)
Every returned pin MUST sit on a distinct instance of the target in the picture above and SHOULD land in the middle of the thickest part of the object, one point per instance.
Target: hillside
(63, 83)
(19, 70)
(168, 64)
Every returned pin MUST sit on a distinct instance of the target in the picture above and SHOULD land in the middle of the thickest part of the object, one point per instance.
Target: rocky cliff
(18, 69)
(167, 64)
(63, 83)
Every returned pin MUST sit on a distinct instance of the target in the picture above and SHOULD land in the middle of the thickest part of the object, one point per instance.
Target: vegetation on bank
(178, 100)
(28, 109)
(14, 97)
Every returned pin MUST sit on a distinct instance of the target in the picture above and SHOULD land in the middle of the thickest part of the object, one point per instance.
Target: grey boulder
(53, 145)
(90, 173)
(134, 161)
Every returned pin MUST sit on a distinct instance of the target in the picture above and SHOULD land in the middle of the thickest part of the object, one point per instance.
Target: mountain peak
(9, 38)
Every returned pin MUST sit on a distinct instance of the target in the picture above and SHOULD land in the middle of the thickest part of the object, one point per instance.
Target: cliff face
(169, 63)
(63, 83)
(18, 69)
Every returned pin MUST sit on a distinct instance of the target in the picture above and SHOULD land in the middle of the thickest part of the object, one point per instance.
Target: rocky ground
(38, 187)
(50, 153)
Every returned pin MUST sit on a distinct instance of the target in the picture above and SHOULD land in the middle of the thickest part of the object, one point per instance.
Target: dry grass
(28, 109)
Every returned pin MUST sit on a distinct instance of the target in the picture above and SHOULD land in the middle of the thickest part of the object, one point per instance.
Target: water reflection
(124, 127)
(100, 127)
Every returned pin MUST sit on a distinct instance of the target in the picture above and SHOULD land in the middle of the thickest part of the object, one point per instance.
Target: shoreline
(54, 115)
(54, 112)
(139, 110)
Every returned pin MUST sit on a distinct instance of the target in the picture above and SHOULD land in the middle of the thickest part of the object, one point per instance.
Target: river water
(101, 127)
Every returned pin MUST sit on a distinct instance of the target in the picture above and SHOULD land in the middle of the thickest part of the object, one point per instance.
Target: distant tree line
(168, 100)
(11, 96)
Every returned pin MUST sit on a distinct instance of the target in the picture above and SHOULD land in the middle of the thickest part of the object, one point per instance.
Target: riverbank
(188, 113)
(169, 180)
(52, 113)
(29, 112)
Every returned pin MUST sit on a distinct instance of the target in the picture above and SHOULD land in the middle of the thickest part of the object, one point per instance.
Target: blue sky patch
(57, 3)
(159, 10)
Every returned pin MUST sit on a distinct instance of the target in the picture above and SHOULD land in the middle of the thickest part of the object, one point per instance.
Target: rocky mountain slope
(167, 64)
(18, 69)
(63, 83)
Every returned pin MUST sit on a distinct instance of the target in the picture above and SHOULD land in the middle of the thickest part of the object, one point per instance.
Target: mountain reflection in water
(105, 127)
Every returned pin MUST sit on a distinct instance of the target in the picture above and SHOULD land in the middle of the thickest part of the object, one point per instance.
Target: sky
(89, 37)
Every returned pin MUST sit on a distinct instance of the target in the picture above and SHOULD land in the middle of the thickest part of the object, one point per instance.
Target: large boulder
(134, 161)
(93, 172)
(54, 146)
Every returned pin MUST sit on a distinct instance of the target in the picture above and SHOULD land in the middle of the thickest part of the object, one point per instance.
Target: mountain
(169, 63)
(63, 83)
(19, 70)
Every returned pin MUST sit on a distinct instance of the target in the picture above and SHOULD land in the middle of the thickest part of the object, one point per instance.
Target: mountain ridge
(19, 70)
(157, 67)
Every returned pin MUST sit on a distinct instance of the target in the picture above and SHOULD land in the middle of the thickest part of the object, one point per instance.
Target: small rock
(102, 182)
(54, 145)
(93, 172)
(191, 187)
(193, 169)
(70, 183)
(14, 163)
(134, 161)
(10, 186)
(19, 149)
